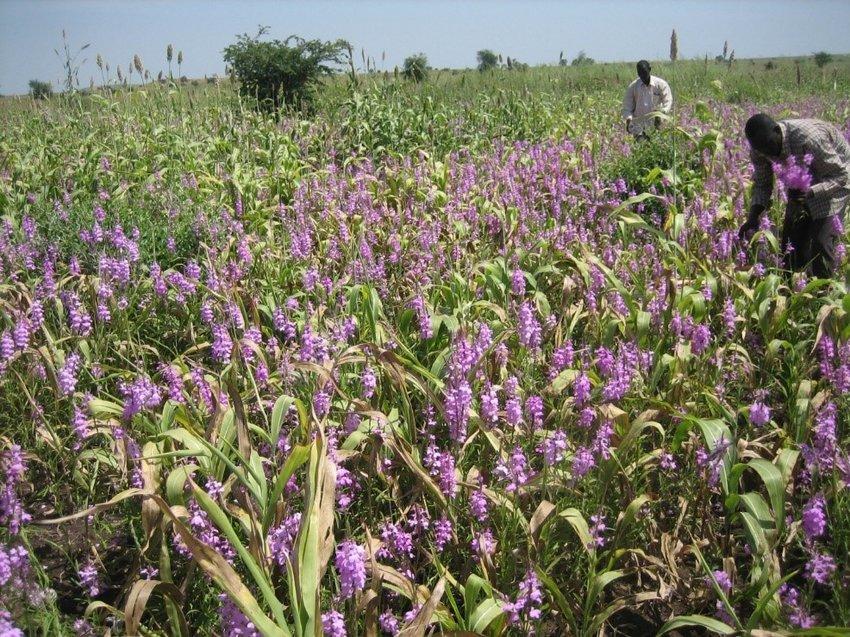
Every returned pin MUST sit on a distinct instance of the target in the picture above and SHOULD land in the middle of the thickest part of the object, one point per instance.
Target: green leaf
(484, 615)
(775, 485)
(697, 620)
(576, 520)
(218, 517)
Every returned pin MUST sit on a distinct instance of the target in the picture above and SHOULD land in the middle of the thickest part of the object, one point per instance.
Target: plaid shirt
(830, 166)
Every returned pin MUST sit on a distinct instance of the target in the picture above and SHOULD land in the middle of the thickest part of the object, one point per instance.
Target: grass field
(450, 358)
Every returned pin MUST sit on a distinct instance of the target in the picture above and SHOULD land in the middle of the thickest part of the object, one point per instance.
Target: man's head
(764, 135)
(643, 70)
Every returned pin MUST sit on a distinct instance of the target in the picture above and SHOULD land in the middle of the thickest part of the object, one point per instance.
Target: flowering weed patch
(314, 388)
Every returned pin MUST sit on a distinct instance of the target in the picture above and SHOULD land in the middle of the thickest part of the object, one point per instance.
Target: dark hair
(760, 131)
(643, 65)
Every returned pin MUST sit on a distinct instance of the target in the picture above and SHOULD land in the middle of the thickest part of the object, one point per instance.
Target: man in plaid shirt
(816, 199)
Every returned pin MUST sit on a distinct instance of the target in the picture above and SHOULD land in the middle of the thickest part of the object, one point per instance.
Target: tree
(276, 72)
(674, 46)
(415, 67)
(582, 60)
(487, 60)
(822, 58)
(40, 90)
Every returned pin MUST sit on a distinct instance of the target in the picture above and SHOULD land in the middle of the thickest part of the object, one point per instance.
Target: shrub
(487, 60)
(277, 73)
(416, 67)
(40, 90)
(822, 58)
(582, 59)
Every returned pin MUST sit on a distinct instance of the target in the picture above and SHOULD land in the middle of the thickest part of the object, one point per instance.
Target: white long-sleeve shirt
(640, 100)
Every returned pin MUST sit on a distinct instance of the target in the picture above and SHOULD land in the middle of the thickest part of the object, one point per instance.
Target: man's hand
(628, 124)
(752, 222)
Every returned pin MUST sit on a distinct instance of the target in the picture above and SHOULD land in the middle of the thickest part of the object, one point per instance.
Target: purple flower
(822, 452)
(398, 543)
(7, 347)
(513, 411)
(425, 329)
(528, 327)
(729, 316)
(67, 375)
(389, 622)
(513, 471)
(794, 176)
(562, 358)
(89, 579)
(759, 414)
(80, 424)
(333, 624)
(581, 389)
(350, 562)
(797, 615)
(668, 462)
(81, 627)
(457, 403)
(7, 628)
(369, 383)
(173, 380)
(518, 282)
(553, 448)
(222, 345)
(483, 543)
(490, 405)
(528, 600)
(700, 339)
(441, 465)
(282, 538)
(820, 568)
(597, 531)
(534, 408)
(814, 517)
(723, 581)
(442, 532)
(141, 394)
(583, 461)
(322, 402)
(233, 621)
(478, 506)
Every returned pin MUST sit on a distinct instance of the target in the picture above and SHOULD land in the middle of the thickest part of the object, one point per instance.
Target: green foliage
(40, 90)
(415, 67)
(638, 168)
(582, 59)
(176, 154)
(276, 72)
(822, 58)
(487, 60)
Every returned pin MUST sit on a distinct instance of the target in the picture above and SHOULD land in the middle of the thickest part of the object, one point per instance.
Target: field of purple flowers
(266, 378)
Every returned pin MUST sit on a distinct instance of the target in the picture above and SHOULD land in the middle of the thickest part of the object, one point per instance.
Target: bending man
(818, 186)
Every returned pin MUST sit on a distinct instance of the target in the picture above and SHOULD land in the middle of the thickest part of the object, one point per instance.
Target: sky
(448, 32)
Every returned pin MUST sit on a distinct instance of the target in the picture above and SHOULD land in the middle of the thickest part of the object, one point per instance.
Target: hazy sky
(448, 32)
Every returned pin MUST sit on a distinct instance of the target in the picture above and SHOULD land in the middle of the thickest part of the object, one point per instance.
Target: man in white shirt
(647, 94)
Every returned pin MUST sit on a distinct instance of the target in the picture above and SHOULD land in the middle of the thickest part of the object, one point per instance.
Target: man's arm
(762, 180)
(666, 98)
